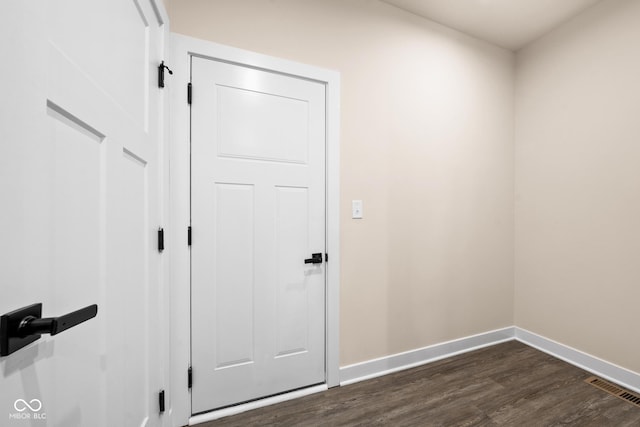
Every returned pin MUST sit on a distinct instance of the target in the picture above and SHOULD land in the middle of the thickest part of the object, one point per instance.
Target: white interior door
(80, 186)
(258, 211)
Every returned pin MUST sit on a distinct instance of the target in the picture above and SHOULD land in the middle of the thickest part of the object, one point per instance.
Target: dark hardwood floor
(509, 384)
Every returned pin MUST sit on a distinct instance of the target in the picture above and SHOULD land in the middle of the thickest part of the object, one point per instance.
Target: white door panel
(237, 106)
(80, 186)
(258, 211)
(233, 271)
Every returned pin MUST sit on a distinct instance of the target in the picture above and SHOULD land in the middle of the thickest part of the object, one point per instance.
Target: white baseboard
(595, 365)
(233, 410)
(410, 359)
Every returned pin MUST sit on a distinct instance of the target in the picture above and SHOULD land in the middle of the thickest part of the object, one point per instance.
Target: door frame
(181, 49)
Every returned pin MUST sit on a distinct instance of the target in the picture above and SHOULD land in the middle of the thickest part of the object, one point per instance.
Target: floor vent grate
(629, 396)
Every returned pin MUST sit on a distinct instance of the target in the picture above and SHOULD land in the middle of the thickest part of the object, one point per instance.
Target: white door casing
(258, 211)
(183, 48)
(81, 165)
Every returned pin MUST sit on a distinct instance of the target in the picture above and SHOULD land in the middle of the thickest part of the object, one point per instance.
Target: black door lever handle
(315, 259)
(31, 325)
(25, 325)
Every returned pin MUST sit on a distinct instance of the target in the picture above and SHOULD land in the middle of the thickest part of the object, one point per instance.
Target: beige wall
(426, 142)
(578, 184)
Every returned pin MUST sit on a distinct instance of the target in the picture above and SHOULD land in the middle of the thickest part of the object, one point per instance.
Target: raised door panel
(292, 295)
(272, 117)
(78, 257)
(234, 254)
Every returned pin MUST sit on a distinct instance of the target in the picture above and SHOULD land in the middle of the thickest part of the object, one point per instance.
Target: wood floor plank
(509, 384)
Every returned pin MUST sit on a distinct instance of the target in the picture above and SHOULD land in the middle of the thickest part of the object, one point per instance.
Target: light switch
(356, 209)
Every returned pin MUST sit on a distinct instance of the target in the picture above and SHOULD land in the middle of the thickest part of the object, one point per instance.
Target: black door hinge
(161, 401)
(161, 69)
(189, 235)
(326, 257)
(190, 377)
(160, 239)
(189, 90)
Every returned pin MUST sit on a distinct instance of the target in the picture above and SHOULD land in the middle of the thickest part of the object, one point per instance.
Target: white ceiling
(507, 23)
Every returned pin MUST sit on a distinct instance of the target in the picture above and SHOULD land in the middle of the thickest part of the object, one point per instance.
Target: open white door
(258, 218)
(80, 188)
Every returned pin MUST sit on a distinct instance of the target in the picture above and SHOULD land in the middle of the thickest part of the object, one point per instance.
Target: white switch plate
(356, 209)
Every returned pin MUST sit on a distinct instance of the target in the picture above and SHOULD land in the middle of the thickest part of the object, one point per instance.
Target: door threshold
(255, 404)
